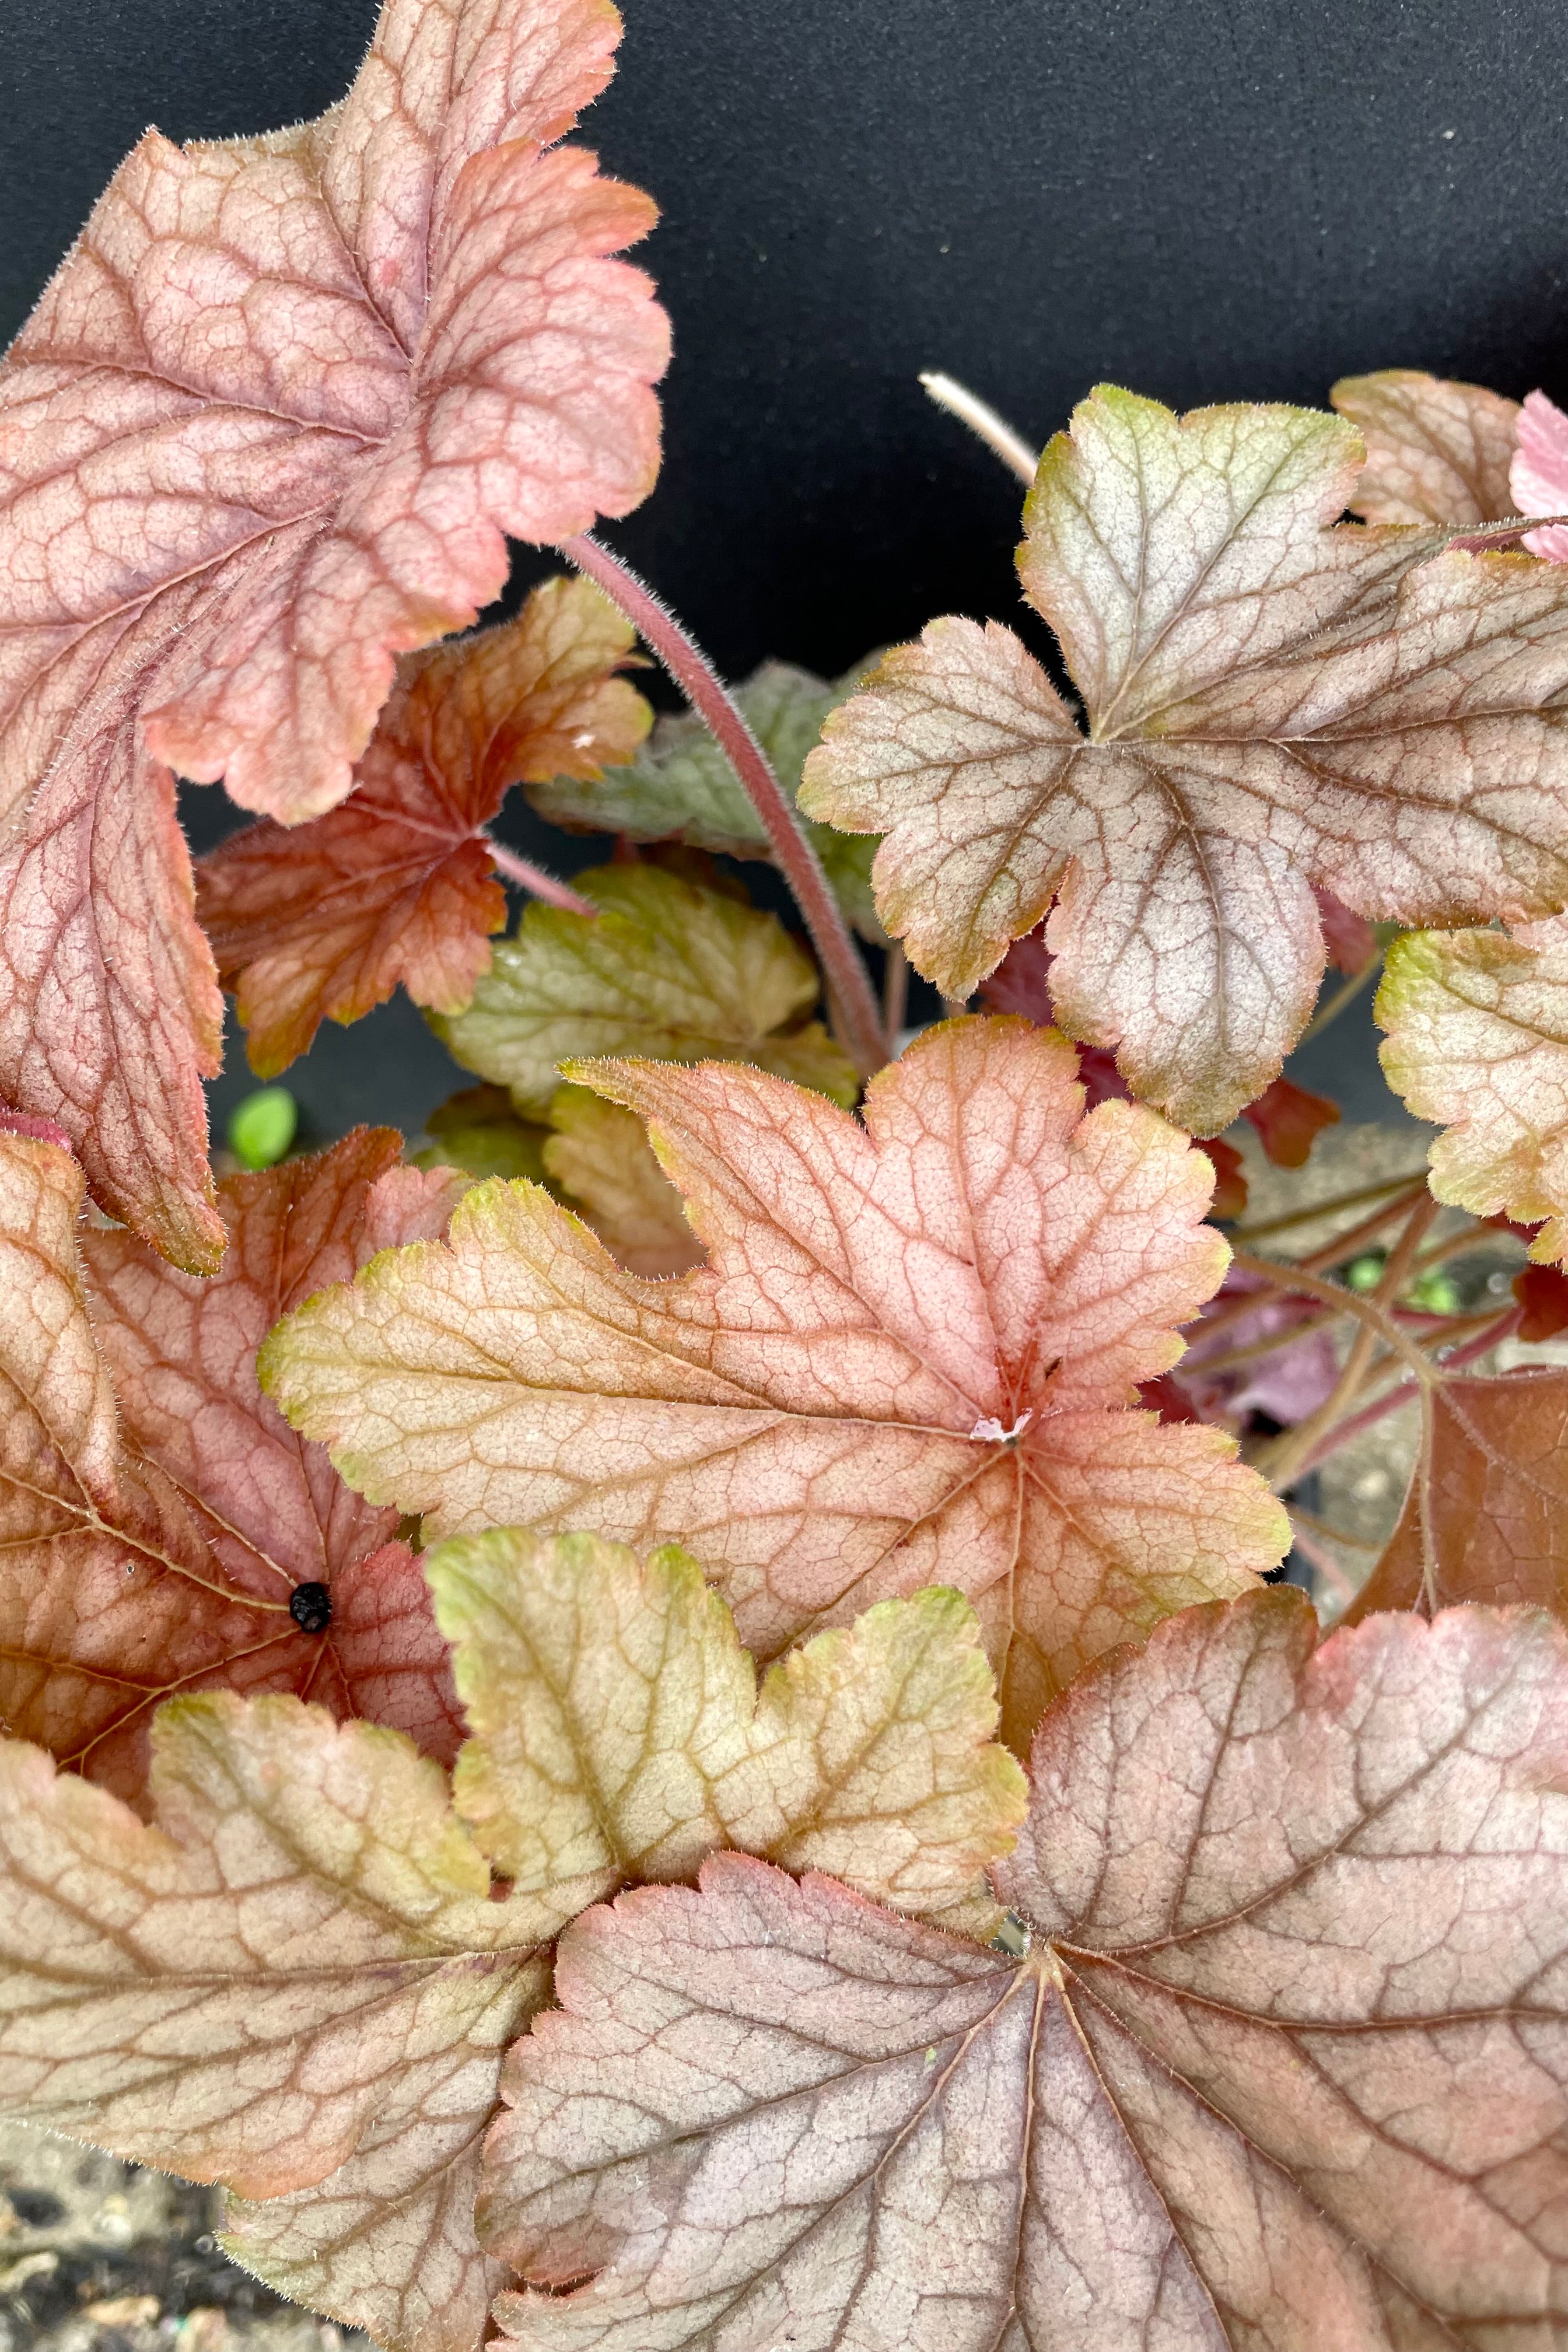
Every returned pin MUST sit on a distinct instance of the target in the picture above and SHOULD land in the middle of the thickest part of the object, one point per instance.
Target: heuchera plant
(1057, 1946)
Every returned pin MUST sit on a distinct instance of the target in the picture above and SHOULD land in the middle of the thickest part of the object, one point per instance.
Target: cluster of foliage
(1056, 1943)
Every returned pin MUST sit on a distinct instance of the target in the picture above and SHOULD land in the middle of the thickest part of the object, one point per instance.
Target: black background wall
(1201, 198)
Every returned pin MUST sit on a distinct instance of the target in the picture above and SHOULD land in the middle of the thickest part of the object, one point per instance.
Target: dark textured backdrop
(1201, 198)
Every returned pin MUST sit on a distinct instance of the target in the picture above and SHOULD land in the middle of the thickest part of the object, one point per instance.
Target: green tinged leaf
(479, 1131)
(299, 1978)
(668, 970)
(680, 785)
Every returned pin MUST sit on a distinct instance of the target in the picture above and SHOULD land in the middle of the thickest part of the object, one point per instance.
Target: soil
(101, 2256)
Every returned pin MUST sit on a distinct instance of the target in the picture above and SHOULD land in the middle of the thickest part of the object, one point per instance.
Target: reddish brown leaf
(909, 1359)
(1230, 1178)
(322, 922)
(1543, 1292)
(1288, 1118)
(265, 431)
(1350, 938)
(157, 1513)
(1486, 1518)
(1284, 2065)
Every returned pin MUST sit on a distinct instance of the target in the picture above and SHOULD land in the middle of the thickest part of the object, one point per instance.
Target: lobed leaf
(295, 1976)
(1436, 451)
(666, 968)
(1478, 1041)
(1271, 701)
(909, 1359)
(681, 786)
(1486, 1518)
(619, 1735)
(479, 1132)
(1285, 2064)
(265, 431)
(299, 1980)
(157, 1513)
(324, 921)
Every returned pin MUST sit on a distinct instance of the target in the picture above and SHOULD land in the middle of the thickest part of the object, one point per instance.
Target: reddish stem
(535, 880)
(849, 983)
(1482, 1344)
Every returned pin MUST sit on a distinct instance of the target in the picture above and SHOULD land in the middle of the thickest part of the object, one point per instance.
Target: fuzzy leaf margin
(909, 1358)
(265, 431)
(1287, 2061)
(1272, 699)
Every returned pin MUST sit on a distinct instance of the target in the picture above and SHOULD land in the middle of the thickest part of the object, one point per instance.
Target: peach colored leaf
(908, 1359)
(666, 968)
(295, 1976)
(619, 1735)
(1478, 1041)
(1436, 451)
(599, 1161)
(1271, 700)
(1287, 1120)
(1539, 481)
(264, 432)
(158, 1514)
(1285, 2064)
(322, 922)
(1486, 1518)
(682, 787)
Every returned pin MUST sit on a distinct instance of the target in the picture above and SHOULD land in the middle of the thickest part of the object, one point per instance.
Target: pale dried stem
(1345, 994)
(1412, 1183)
(535, 880)
(849, 983)
(1403, 1392)
(1285, 1457)
(1332, 1252)
(982, 419)
(1322, 1560)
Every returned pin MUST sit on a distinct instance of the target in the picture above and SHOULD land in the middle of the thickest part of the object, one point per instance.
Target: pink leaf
(1538, 476)
(266, 431)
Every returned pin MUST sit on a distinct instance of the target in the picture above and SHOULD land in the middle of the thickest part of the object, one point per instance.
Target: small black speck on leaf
(311, 1607)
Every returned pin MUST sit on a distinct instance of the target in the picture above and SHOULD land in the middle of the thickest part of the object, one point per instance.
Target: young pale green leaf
(600, 1159)
(619, 1735)
(1271, 701)
(1436, 451)
(1478, 1042)
(592, 1155)
(479, 1132)
(908, 1359)
(666, 968)
(1284, 2065)
(682, 787)
(296, 1975)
